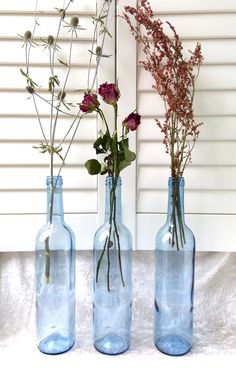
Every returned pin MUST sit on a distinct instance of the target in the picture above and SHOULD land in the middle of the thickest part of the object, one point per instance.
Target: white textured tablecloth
(214, 315)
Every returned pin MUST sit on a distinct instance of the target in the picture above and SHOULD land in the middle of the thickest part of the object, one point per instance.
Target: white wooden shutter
(210, 180)
(23, 170)
(210, 200)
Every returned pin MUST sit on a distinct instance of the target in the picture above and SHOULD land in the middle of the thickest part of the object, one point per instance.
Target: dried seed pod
(61, 95)
(29, 89)
(50, 40)
(99, 51)
(74, 21)
(27, 35)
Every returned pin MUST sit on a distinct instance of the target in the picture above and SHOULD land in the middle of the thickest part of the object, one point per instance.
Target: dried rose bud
(109, 92)
(50, 40)
(30, 89)
(74, 21)
(90, 103)
(27, 35)
(99, 51)
(61, 95)
(132, 121)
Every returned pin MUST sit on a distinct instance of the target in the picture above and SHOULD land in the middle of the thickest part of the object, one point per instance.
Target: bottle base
(55, 344)
(173, 345)
(111, 345)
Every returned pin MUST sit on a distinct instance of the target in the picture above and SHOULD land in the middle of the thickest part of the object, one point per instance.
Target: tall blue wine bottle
(55, 277)
(174, 277)
(112, 281)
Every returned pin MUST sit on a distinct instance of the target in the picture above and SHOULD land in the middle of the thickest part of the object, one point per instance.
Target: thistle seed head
(30, 89)
(99, 51)
(61, 95)
(74, 21)
(27, 35)
(50, 40)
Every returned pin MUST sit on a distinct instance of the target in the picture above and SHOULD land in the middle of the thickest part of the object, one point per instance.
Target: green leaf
(98, 145)
(23, 73)
(29, 80)
(44, 147)
(53, 80)
(106, 141)
(124, 146)
(123, 164)
(57, 151)
(114, 142)
(100, 133)
(130, 156)
(103, 169)
(63, 62)
(102, 144)
(93, 167)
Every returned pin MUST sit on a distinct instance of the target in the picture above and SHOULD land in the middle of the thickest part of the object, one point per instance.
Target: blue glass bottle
(112, 280)
(174, 277)
(55, 277)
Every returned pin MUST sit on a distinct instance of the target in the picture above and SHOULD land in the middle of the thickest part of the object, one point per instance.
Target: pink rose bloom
(109, 92)
(90, 103)
(132, 121)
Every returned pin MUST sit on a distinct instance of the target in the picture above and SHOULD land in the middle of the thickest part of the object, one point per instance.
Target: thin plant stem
(39, 120)
(177, 225)
(108, 266)
(69, 146)
(92, 48)
(47, 261)
(117, 235)
(54, 107)
(100, 258)
(69, 130)
(102, 46)
(103, 119)
(63, 89)
(108, 243)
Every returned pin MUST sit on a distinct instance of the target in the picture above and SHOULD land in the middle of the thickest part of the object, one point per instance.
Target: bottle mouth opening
(180, 181)
(109, 180)
(54, 180)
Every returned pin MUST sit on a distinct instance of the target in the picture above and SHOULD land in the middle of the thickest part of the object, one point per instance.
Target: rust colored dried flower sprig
(174, 79)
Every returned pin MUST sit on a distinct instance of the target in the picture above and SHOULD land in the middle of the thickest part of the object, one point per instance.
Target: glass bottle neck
(113, 199)
(55, 211)
(175, 200)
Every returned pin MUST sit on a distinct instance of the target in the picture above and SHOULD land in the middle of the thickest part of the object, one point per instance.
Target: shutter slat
(211, 77)
(205, 153)
(203, 178)
(77, 78)
(29, 5)
(206, 103)
(213, 128)
(196, 202)
(193, 5)
(48, 26)
(215, 51)
(13, 50)
(25, 202)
